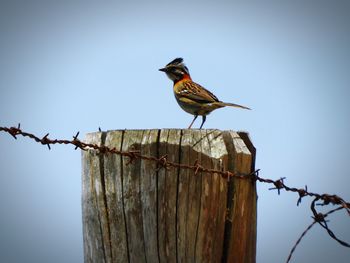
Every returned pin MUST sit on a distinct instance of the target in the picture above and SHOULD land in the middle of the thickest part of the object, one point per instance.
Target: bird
(192, 97)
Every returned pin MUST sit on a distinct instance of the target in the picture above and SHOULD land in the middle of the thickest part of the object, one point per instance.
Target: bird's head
(176, 70)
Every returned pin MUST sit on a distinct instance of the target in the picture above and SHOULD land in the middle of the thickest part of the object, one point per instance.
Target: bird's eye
(180, 71)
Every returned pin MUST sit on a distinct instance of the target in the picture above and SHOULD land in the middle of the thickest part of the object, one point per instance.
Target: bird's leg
(195, 117)
(204, 117)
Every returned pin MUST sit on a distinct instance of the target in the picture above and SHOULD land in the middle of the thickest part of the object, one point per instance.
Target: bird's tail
(234, 105)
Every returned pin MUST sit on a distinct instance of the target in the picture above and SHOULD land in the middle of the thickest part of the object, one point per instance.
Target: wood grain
(169, 147)
(95, 229)
(148, 187)
(115, 201)
(132, 197)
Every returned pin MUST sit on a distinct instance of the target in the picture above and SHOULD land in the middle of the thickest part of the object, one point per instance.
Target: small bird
(192, 97)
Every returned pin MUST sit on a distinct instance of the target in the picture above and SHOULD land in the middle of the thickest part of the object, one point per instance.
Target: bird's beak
(162, 69)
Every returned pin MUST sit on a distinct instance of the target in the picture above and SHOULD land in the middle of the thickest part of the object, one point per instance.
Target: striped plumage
(192, 97)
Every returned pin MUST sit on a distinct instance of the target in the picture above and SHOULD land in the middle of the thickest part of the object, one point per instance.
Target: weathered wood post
(139, 211)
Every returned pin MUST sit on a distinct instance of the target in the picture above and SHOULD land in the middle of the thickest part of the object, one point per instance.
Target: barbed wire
(318, 219)
(163, 162)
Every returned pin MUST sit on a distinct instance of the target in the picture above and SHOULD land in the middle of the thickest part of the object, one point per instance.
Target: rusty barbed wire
(308, 229)
(163, 163)
(320, 219)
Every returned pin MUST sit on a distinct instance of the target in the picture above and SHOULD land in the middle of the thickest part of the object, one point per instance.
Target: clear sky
(76, 67)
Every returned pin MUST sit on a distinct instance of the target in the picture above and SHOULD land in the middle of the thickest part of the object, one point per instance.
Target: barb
(320, 218)
(307, 230)
(162, 162)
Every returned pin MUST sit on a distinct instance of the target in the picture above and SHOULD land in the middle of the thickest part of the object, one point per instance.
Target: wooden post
(140, 212)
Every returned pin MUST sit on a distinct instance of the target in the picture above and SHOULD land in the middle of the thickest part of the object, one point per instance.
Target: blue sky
(76, 67)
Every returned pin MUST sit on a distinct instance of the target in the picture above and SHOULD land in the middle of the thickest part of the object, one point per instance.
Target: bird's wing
(196, 92)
